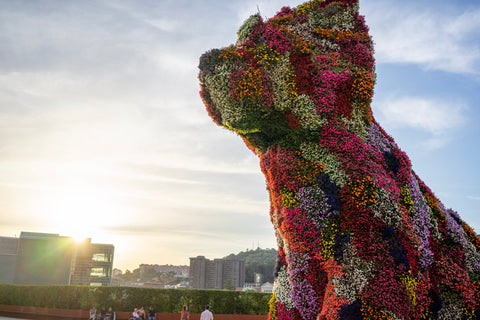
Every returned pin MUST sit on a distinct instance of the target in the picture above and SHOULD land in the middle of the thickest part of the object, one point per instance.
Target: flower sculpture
(359, 235)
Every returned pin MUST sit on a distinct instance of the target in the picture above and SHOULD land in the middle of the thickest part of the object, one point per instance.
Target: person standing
(151, 313)
(206, 314)
(184, 315)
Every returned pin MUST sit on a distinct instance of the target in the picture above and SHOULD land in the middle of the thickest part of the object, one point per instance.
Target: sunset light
(79, 211)
(103, 133)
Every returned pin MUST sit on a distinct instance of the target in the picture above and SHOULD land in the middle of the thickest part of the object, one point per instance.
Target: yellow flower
(410, 283)
(272, 304)
(289, 198)
(266, 55)
(328, 240)
(407, 200)
(307, 7)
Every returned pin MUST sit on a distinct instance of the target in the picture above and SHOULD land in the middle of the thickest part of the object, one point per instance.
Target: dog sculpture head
(288, 76)
(359, 235)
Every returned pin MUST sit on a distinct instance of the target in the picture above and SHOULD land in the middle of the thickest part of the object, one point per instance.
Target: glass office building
(51, 259)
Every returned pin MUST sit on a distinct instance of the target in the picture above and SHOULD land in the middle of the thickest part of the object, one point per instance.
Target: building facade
(51, 259)
(92, 264)
(212, 274)
(8, 259)
(165, 268)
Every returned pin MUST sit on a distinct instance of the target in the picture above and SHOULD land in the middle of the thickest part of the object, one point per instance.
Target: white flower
(282, 288)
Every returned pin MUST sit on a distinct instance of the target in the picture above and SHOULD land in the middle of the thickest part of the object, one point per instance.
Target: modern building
(92, 264)
(212, 274)
(8, 259)
(51, 259)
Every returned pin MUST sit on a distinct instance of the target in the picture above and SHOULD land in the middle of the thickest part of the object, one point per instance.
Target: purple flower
(314, 203)
(421, 222)
(304, 297)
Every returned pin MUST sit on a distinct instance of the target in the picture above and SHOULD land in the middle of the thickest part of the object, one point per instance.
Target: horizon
(104, 135)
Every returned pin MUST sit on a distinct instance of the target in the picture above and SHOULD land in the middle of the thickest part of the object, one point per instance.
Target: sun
(79, 211)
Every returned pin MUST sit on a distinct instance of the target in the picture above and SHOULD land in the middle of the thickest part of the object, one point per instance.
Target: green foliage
(165, 278)
(257, 261)
(228, 285)
(128, 298)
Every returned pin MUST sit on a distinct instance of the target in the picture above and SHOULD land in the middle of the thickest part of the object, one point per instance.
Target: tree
(257, 261)
(228, 285)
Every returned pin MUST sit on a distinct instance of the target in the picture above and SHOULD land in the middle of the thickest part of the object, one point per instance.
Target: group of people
(102, 315)
(140, 314)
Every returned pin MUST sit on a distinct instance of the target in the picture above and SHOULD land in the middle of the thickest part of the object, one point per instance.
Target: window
(100, 257)
(98, 272)
(95, 284)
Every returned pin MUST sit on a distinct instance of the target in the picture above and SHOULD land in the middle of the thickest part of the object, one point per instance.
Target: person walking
(206, 314)
(184, 315)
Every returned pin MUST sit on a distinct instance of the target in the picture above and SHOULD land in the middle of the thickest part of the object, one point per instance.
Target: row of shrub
(128, 298)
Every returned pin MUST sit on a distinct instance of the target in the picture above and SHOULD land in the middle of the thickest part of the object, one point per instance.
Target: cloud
(435, 142)
(436, 39)
(430, 115)
(433, 120)
(473, 198)
(267, 8)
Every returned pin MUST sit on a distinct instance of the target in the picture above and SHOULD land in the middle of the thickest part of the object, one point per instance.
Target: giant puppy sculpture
(359, 235)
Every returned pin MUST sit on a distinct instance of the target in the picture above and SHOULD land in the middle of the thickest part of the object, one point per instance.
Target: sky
(103, 133)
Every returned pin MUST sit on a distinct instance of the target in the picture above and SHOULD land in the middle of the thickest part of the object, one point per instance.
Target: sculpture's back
(359, 234)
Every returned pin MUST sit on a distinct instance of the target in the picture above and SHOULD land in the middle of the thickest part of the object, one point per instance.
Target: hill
(257, 261)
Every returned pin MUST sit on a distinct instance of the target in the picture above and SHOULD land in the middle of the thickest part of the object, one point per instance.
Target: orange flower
(249, 84)
(338, 35)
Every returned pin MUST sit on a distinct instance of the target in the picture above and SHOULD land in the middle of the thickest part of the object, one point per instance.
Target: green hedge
(128, 298)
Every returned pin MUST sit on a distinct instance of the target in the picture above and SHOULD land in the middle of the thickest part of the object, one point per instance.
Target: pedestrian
(184, 315)
(206, 314)
(151, 313)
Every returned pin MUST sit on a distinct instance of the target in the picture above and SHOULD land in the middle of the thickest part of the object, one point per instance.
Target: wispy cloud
(434, 39)
(431, 115)
(473, 197)
(104, 96)
(434, 119)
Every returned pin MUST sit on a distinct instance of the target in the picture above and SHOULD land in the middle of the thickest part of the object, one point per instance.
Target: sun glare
(79, 211)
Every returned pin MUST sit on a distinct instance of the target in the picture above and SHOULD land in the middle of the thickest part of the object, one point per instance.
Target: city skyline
(103, 134)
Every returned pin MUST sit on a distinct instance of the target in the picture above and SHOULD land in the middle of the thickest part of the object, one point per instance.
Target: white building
(267, 287)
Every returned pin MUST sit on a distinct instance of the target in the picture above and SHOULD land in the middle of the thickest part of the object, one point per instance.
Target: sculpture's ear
(248, 28)
(315, 5)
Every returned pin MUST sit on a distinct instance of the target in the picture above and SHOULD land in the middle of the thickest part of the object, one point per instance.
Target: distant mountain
(257, 261)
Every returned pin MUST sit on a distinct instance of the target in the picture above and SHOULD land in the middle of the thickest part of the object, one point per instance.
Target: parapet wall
(32, 312)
